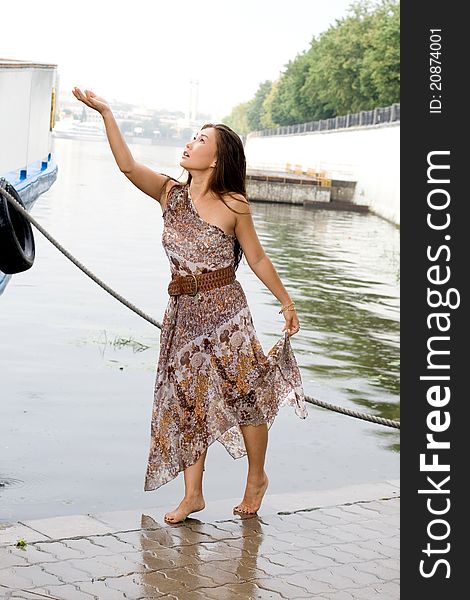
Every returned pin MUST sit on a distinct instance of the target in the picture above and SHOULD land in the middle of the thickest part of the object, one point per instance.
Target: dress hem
(269, 422)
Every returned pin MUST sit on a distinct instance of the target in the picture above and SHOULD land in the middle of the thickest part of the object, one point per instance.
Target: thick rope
(354, 413)
(25, 213)
(101, 283)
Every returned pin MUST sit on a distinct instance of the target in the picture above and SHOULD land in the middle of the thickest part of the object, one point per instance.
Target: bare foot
(253, 497)
(185, 507)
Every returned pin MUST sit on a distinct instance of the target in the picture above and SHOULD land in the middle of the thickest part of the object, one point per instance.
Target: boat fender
(17, 249)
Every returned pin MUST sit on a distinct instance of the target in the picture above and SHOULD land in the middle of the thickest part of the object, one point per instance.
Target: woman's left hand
(292, 322)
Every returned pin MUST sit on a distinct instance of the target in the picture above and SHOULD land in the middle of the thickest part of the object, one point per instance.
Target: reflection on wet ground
(344, 544)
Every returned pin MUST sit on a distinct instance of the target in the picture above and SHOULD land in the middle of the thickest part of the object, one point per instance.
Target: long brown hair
(229, 174)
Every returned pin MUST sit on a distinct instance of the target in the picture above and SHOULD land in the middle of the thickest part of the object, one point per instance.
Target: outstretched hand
(92, 100)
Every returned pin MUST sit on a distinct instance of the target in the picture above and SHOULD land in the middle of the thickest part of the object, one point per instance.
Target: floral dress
(212, 374)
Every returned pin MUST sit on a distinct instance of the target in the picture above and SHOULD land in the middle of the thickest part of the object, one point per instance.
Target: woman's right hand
(92, 100)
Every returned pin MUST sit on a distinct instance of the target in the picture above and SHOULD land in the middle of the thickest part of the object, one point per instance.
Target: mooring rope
(354, 413)
(76, 262)
(339, 409)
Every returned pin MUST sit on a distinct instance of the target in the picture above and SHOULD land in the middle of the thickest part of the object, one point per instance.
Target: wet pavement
(338, 544)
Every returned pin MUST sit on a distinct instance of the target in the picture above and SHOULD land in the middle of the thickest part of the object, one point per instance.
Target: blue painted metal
(30, 183)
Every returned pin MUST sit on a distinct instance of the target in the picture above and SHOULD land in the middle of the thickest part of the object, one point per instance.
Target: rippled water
(78, 367)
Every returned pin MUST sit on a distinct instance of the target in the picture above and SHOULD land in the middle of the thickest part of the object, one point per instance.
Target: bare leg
(256, 442)
(193, 500)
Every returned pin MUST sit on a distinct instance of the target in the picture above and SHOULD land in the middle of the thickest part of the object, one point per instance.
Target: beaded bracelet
(287, 307)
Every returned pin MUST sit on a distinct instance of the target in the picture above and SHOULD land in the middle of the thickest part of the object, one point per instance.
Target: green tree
(255, 108)
(286, 105)
(380, 75)
(349, 62)
(238, 118)
(295, 102)
(352, 66)
(267, 120)
(334, 72)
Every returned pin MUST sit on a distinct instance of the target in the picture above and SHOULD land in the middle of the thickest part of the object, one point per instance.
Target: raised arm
(156, 185)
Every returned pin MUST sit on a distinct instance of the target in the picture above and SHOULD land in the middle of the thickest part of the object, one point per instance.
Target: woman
(213, 381)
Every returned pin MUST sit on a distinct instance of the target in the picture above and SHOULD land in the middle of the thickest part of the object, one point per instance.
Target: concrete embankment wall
(368, 155)
(289, 191)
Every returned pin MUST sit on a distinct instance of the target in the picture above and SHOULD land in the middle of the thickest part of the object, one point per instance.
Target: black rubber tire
(17, 249)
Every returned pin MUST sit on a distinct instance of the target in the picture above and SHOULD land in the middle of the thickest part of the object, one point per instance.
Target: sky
(148, 52)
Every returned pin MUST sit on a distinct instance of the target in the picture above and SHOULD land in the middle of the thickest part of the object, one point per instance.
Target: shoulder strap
(173, 191)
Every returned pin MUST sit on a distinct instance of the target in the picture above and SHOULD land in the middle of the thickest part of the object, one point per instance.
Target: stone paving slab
(335, 545)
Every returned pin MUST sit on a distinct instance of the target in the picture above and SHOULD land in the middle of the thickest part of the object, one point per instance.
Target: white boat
(80, 130)
(28, 92)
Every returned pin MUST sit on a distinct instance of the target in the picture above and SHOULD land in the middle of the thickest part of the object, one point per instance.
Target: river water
(78, 367)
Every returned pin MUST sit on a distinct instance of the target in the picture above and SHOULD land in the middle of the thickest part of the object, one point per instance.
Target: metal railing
(376, 116)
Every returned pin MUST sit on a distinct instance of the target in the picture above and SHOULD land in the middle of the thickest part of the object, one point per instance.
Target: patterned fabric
(212, 373)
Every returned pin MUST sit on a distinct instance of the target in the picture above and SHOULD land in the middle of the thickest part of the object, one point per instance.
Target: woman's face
(200, 154)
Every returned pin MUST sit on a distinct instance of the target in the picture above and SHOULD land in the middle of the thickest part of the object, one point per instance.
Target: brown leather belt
(191, 284)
